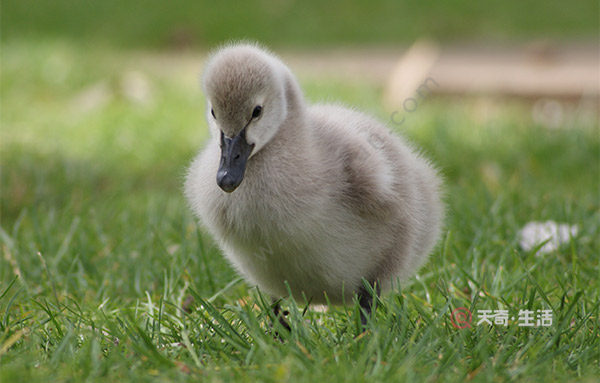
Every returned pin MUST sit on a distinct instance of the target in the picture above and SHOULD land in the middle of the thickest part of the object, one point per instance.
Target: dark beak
(234, 156)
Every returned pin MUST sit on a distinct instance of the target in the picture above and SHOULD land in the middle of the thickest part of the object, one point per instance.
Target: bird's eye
(212, 111)
(257, 111)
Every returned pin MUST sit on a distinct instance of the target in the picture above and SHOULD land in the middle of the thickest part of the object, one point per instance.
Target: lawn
(105, 275)
(308, 23)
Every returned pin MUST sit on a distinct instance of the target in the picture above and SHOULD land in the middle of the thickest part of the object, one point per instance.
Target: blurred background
(101, 112)
(201, 24)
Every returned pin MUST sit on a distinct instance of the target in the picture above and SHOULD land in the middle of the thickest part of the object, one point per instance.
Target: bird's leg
(280, 315)
(365, 301)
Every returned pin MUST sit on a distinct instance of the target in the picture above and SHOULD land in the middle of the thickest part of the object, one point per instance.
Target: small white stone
(535, 233)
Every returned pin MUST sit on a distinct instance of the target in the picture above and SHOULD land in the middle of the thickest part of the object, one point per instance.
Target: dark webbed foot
(280, 315)
(365, 301)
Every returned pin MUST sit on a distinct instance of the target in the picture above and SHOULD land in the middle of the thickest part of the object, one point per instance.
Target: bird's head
(245, 91)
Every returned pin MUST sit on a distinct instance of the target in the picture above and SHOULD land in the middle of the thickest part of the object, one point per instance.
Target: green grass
(181, 23)
(95, 224)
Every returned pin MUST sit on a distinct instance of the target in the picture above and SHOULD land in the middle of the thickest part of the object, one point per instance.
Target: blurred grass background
(311, 23)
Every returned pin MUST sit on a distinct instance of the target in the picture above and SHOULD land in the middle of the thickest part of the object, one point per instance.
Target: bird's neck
(293, 129)
(293, 95)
